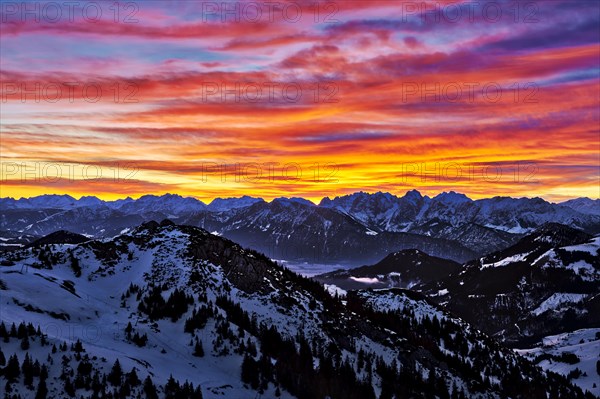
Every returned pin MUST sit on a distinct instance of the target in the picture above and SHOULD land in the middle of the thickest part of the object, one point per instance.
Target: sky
(309, 98)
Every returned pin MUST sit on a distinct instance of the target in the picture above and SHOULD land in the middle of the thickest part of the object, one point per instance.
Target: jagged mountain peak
(169, 197)
(174, 204)
(359, 198)
(584, 205)
(451, 198)
(226, 204)
(52, 196)
(90, 200)
(291, 201)
(414, 196)
(51, 201)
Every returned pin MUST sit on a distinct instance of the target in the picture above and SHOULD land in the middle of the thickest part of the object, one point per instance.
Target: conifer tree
(12, 371)
(249, 372)
(116, 373)
(150, 389)
(42, 390)
(198, 349)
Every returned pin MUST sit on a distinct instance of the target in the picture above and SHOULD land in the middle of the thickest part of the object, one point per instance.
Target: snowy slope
(93, 314)
(585, 344)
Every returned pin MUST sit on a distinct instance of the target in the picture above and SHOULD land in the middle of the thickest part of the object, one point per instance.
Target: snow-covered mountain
(547, 283)
(41, 202)
(97, 221)
(176, 312)
(385, 211)
(483, 226)
(380, 211)
(293, 230)
(524, 215)
(226, 204)
(355, 229)
(169, 204)
(584, 205)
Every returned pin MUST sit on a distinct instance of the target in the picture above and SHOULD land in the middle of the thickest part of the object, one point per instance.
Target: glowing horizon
(342, 97)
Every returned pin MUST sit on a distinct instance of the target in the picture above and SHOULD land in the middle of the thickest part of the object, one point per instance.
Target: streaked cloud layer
(300, 98)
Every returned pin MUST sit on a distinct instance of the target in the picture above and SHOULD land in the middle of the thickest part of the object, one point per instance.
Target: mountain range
(174, 311)
(353, 229)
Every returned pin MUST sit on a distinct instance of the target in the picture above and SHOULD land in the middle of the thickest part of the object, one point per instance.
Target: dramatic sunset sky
(485, 98)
